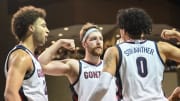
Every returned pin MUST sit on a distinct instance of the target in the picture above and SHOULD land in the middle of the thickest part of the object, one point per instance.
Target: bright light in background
(66, 28)
(117, 36)
(52, 42)
(60, 34)
(101, 28)
(77, 48)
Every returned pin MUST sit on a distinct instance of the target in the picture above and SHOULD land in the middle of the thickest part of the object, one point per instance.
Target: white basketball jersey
(141, 71)
(88, 78)
(34, 84)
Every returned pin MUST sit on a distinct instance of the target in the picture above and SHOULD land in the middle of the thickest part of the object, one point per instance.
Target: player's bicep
(174, 53)
(56, 68)
(110, 57)
(169, 51)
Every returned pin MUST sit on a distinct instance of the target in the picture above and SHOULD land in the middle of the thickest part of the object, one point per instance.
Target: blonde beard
(96, 53)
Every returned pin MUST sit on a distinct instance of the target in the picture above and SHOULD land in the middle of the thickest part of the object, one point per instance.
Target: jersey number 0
(142, 66)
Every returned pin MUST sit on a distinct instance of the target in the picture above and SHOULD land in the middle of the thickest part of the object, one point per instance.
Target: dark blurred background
(69, 13)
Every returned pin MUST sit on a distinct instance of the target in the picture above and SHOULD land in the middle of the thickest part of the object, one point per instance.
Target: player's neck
(127, 38)
(133, 40)
(28, 43)
(92, 59)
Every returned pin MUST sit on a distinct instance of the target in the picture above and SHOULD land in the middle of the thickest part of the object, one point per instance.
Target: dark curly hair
(134, 21)
(24, 17)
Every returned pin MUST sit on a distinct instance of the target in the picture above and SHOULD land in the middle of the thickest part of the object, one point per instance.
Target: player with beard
(82, 74)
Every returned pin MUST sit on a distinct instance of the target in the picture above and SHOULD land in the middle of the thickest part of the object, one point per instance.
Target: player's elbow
(11, 95)
(8, 95)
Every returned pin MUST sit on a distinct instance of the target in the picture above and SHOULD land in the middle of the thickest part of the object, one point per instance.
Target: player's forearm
(176, 34)
(48, 54)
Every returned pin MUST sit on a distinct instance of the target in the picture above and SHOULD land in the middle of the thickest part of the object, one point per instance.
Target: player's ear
(83, 44)
(31, 28)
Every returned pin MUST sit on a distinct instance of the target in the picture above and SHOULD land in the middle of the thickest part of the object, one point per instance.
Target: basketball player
(82, 74)
(139, 62)
(25, 79)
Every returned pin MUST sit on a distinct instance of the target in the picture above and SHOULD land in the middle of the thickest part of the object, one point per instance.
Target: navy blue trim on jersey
(74, 94)
(22, 95)
(157, 50)
(117, 75)
(23, 48)
(120, 57)
(80, 70)
(28, 74)
(92, 63)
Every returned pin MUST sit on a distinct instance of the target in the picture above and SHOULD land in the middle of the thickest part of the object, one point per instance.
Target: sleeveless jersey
(141, 71)
(88, 78)
(34, 85)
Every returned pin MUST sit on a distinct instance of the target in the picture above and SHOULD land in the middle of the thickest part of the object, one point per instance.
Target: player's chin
(99, 52)
(42, 43)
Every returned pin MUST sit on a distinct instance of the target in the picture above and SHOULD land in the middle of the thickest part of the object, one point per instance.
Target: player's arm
(48, 54)
(168, 51)
(19, 63)
(58, 67)
(67, 67)
(110, 59)
(168, 34)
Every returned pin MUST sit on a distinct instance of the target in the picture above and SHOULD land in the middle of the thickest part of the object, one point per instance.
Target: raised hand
(68, 44)
(169, 34)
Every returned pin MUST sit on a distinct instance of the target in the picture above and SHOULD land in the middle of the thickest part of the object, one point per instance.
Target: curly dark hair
(24, 17)
(134, 21)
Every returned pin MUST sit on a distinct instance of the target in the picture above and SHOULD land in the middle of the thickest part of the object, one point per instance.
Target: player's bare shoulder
(20, 58)
(110, 56)
(111, 52)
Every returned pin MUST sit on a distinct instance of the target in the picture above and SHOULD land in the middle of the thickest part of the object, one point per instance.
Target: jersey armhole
(80, 69)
